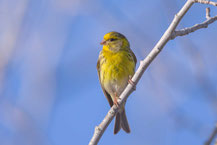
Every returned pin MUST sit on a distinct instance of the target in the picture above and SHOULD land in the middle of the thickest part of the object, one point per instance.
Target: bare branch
(188, 30)
(207, 13)
(206, 2)
(99, 130)
(212, 136)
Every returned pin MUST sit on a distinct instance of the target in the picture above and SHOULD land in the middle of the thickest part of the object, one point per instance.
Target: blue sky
(49, 88)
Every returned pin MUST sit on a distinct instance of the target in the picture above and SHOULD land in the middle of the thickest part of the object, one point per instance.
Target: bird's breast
(115, 71)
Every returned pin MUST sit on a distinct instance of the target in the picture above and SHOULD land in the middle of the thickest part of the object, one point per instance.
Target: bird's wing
(108, 97)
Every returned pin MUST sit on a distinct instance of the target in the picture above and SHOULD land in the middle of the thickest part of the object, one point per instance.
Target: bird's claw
(132, 83)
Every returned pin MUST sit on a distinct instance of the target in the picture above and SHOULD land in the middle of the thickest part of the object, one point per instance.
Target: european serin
(116, 64)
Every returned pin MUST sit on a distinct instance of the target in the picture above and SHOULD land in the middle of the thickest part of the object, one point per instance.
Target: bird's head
(114, 41)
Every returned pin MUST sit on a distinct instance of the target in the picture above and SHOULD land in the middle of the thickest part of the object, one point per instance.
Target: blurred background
(49, 88)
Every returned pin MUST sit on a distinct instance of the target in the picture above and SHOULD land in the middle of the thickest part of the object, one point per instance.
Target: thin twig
(207, 13)
(212, 136)
(208, 2)
(99, 130)
(188, 30)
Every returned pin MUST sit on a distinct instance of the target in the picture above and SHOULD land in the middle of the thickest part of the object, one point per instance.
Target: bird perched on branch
(115, 66)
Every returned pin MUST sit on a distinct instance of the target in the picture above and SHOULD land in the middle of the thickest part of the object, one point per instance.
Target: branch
(99, 130)
(206, 2)
(212, 137)
(188, 30)
(207, 13)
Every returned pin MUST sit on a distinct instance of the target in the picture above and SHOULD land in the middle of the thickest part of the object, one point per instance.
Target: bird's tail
(121, 122)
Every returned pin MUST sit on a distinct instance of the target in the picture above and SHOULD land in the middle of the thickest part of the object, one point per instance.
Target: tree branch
(99, 130)
(207, 13)
(212, 137)
(188, 30)
(208, 2)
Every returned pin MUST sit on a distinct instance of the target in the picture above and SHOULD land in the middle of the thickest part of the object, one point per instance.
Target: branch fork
(204, 24)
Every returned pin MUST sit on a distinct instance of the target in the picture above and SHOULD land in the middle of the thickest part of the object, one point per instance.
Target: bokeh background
(49, 88)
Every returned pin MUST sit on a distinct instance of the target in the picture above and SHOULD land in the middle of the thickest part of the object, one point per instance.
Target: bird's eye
(112, 39)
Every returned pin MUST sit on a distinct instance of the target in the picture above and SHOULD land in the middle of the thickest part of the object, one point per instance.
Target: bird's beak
(103, 42)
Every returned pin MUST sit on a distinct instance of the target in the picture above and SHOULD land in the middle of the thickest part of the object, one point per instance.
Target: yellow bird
(115, 66)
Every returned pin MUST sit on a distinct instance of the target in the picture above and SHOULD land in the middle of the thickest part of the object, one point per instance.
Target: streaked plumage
(115, 65)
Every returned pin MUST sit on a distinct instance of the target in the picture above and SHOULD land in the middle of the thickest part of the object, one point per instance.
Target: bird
(116, 66)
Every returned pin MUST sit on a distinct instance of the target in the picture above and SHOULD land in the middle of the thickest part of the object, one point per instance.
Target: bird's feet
(116, 100)
(132, 83)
